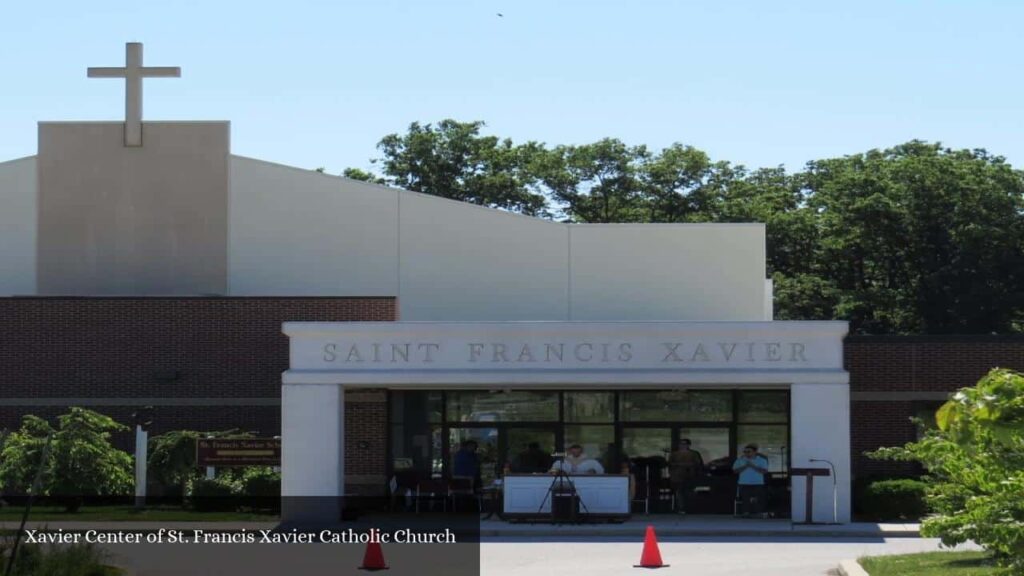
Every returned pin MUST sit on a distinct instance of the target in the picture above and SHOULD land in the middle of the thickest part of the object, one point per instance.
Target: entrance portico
(326, 358)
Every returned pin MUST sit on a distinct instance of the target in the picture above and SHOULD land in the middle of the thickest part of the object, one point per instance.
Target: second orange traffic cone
(373, 559)
(651, 556)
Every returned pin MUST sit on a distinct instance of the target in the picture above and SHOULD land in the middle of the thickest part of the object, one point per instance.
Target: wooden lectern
(809, 474)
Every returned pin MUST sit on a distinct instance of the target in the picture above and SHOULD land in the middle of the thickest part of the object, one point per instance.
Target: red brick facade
(158, 347)
(204, 363)
(894, 377)
(366, 437)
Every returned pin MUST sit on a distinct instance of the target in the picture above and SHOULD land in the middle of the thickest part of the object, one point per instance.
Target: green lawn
(129, 514)
(932, 563)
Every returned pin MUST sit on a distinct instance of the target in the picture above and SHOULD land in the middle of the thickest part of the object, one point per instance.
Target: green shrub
(902, 499)
(216, 495)
(72, 560)
(261, 487)
(172, 459)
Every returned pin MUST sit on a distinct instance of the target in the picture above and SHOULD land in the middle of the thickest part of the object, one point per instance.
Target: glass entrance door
(485, 464)
(714, 490)
(647, 449)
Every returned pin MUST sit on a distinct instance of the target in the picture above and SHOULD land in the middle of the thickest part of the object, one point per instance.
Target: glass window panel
(589, 406)
(498, 406)
(764, 406)
(712, 444)
(414, 406)
(646, 442)
(772, 442)
(598, 442)
(524, 459)
(677, 405)
(435, 406)
(415, 451)
(397, 406)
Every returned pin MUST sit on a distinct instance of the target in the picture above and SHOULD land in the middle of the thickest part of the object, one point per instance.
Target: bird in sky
(500, 15)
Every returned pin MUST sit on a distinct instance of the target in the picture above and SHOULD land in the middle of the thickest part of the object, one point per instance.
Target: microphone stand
(835, 488)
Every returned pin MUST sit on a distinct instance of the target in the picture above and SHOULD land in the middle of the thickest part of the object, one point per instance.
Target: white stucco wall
(464, 262)
(149, 220)
(820, 429)
(312, 451)
(297, 232)
(18, 227)
(667, 272)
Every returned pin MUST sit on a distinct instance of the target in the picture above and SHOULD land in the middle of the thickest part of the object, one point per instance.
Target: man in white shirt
(576, 462)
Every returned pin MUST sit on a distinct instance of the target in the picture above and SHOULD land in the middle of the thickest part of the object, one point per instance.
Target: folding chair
(432, 491)
(462, 486)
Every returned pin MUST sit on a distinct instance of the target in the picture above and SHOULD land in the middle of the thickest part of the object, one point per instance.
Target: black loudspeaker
(565, 507)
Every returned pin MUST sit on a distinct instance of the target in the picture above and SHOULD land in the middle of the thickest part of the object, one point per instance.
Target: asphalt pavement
(692, 556)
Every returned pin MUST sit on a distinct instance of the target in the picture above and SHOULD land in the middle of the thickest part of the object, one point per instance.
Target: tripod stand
(562, 479)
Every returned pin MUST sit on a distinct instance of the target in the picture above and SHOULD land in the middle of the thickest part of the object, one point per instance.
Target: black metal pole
(28, 505)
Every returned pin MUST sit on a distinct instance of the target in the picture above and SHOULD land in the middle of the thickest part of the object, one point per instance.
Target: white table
(600, 495)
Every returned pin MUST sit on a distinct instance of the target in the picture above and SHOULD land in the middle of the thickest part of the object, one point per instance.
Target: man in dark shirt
(534, 460)
(466, 463)
(684, 467)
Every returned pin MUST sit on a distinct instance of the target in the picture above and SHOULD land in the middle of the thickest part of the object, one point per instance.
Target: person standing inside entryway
(751, 467)
(467, 464)
(684, 468)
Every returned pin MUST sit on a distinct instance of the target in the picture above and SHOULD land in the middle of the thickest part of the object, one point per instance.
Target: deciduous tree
(975, 463)
(453, 160)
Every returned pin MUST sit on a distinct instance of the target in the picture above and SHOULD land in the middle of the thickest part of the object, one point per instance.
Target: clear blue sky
(318, 83)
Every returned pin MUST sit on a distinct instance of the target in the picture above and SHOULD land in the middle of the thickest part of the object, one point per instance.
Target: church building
(377, 330)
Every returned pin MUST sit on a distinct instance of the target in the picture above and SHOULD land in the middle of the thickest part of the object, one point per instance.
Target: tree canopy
(917, 238)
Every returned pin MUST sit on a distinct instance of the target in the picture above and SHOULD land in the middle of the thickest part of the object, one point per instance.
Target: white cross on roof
(133, 72)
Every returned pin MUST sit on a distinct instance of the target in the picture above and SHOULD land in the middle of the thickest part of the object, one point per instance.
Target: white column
(141, 457)
(312, 452)
(820, 420)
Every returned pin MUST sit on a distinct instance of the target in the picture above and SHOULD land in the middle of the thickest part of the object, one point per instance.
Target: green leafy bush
(22, 454)
(172, 459)
(261, 488)
(975, 463)
(902, 499)
(214, 495)
(81, 460)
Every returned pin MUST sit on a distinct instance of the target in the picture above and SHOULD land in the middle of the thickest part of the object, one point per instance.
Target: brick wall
(206, 363)
(366, 436)
(158, 347)
(892, 376)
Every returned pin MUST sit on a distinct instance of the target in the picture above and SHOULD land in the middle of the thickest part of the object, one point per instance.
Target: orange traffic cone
(373, 559)
(651, 556)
